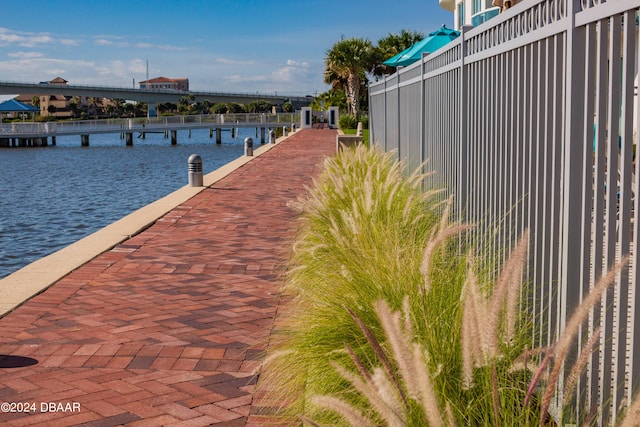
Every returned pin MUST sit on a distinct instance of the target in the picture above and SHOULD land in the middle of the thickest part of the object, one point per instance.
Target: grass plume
(363, 226)
(564, 343)
(388, 324)
(351, 414)
(482, 315)
(380, 387)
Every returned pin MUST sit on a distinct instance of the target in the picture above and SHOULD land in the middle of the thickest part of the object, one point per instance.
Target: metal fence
(530, 121)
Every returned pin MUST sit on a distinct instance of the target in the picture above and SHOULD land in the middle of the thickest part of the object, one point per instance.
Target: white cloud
(35, 69)
(25, 55)
(103, 42)
(9, 37)
(107, 40)
(120, 42)
(292, 63)
(291, 72)
(114, 73)
(69, 42)
(227, 61)
(151, 46)
(263, 76)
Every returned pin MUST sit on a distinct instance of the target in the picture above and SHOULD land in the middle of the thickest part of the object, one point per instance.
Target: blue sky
(228, 46)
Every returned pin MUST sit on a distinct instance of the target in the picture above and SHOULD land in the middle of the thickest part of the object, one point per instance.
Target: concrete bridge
(38, 133)
(145, 95)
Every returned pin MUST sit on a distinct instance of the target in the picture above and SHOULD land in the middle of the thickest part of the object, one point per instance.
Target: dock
(42, 134)
(167, 324)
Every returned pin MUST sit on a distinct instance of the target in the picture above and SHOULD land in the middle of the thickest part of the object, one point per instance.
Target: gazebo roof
(58, 81)
(11, 105)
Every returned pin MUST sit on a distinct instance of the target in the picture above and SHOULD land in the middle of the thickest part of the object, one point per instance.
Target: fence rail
(530, 120)
(76, 127)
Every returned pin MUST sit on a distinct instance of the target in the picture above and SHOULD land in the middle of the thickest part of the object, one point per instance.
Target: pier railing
(529, 120)
(77, 127)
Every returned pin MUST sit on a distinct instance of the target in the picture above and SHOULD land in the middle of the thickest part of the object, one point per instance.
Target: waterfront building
(475, 12)
(164, 83)
(64, 106)
(56, 105)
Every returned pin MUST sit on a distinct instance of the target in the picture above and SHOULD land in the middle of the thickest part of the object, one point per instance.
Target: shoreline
(36, 277)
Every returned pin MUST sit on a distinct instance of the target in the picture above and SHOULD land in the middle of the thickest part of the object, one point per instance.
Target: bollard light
(272, 136)
(195, 170)
(284, 131)
(248, 146)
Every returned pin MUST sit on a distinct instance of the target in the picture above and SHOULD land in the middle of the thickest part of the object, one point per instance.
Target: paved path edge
(31, 280)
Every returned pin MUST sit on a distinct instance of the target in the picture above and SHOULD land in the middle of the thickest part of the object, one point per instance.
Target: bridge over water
(146, 95)
(38, 133)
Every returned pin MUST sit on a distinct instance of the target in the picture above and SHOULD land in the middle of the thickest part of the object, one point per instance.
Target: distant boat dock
(29, 134)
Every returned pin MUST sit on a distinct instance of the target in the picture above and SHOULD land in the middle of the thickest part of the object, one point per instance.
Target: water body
(53, 196)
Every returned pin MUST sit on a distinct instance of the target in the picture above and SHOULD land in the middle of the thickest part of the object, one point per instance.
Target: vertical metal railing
(531, 122)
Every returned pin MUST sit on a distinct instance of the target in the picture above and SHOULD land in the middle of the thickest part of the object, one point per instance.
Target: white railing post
(384, 118)
(634, 294)
(570, 293)
(423, 120)
(629, 60)
(462, 188)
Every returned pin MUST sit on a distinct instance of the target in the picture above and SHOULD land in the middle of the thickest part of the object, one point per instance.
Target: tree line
(93, 107)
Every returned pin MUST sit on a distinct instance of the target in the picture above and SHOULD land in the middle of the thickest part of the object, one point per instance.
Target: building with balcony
(474, 12)
(165, 83)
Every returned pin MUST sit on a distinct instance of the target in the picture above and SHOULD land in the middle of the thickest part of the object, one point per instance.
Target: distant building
(165, 83)
(65, 105)
(475, 12)
(57, 81)
(56, 105)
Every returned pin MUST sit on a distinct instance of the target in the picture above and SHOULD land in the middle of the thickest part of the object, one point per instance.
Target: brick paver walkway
(169, 327)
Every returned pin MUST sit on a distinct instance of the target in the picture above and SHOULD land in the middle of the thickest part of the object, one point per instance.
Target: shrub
(365, 122)
(347, 121)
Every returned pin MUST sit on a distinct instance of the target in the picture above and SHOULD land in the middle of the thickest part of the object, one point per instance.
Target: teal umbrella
(431, 43)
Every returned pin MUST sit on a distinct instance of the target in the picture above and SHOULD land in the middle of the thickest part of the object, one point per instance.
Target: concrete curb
(36, 277)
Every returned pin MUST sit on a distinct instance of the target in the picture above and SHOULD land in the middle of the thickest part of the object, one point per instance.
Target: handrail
(29, 129)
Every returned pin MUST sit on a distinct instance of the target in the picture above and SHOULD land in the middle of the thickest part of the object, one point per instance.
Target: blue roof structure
(11, 105)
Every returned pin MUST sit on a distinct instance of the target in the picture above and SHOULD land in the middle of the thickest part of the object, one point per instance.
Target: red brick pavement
(167, 328)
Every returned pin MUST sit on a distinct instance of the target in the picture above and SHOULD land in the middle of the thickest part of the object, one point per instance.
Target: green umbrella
(431, 43)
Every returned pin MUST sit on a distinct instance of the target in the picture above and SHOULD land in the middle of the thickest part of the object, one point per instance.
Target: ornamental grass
(364, 227)
(387, 321)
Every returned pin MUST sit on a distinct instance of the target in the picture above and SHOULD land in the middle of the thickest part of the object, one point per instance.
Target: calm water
(52, 196)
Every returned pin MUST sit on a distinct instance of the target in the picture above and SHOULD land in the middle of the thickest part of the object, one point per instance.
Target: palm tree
(346, 65)
(118, 105)
(206, 107)
(75, 105)
(92, 104)
(184, 106)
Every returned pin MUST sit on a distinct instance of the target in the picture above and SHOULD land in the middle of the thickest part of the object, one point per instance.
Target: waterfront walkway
(168, 327)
